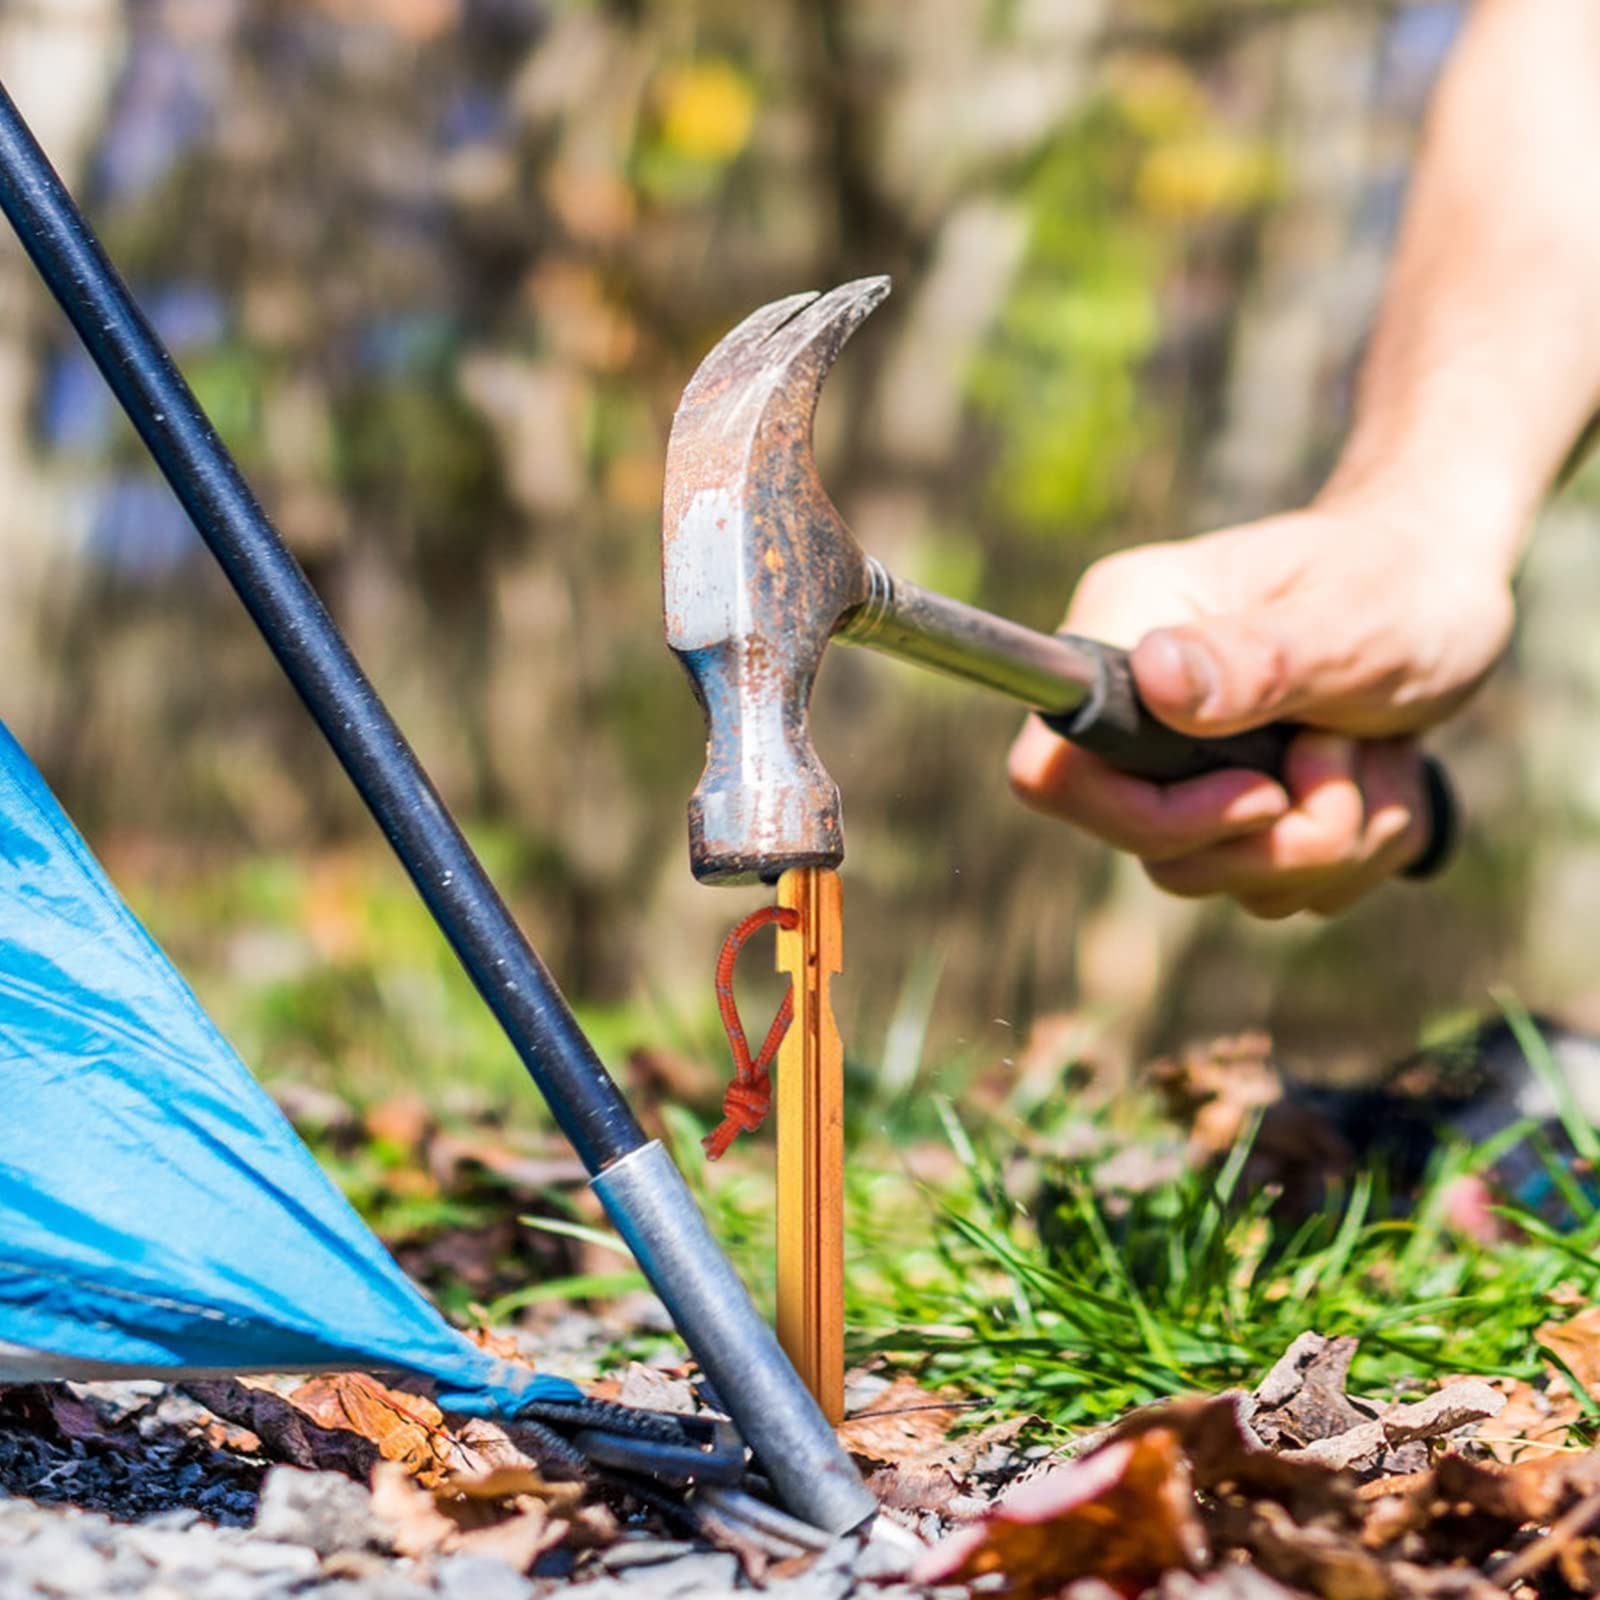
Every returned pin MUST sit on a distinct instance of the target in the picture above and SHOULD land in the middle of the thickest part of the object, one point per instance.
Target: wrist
(1474, 524)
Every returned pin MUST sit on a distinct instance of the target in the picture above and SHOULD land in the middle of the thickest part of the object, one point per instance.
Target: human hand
(1347, 620)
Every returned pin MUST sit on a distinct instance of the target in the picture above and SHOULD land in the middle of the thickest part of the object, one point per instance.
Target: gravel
(155, 1511)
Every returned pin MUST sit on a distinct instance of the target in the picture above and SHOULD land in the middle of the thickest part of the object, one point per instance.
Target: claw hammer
(760, 572)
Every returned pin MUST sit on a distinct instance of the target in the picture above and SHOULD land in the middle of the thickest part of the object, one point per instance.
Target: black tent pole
(643, 1193)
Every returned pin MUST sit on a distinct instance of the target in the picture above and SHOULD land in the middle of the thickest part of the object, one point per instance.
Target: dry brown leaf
(1456, 1405)
(506, 1513)
(402, 1121)
(1316, 1407)
(415, 1523)
(55, 1412)
(285, 1431)
(403, 1427)
(902, 1423)
(1226, 1457)
(1576, 1343)
(656, 1073)
(508, 1483)
(1215, 1089)
(1580, 1566)
(1328, 1561)
(1358, 1447)
(1534, 1422)
(937, 1479)
(519, 1541)
(502, 1346)
(658, 1389)
(1126, 1514)
(451, 1156)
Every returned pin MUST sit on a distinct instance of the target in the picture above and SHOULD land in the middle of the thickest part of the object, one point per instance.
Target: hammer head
(757, 570)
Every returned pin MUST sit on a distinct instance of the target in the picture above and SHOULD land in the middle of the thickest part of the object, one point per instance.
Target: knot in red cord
(749, 1096)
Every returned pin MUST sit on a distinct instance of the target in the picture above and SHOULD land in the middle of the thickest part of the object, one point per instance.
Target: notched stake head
(757, 570)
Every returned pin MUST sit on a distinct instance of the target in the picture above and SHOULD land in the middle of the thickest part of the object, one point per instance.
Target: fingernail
(1266, 803)
(1198, 670)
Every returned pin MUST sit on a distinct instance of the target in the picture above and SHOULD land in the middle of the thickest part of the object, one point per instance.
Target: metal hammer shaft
(1054, 673)
(1085, 690)
(1081, 687)
(642, 1191)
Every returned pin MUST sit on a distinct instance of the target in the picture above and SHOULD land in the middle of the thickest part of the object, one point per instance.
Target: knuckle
(1109, 584)
(1265, 672)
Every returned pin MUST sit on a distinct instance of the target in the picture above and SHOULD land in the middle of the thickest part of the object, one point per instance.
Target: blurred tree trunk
(59, 60)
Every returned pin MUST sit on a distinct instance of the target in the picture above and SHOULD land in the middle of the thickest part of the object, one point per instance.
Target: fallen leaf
(1327, 1560)
(1361, 1446)
(405, 1428)
(1126, 1513)
(1576, 1344)
(1316, 1407)
(52, 1410)
(1215, 1089)
(657, 1389)
(508, 1483)
(1287, 1375)
(451, 1155)
(1580, 1566)
(656, 1073)
(415, 1523)
(903, 1422)
(402, 1121)
(519, 1541)
(1456, 1405)
(285, 1431)
(1226, 1456)
(502, 1346)
(1534, 1422)
(938, 1479)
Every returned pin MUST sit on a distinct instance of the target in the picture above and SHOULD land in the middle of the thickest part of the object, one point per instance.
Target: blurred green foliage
(455, 264)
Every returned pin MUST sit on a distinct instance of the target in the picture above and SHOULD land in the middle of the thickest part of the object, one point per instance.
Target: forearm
(1485, 364)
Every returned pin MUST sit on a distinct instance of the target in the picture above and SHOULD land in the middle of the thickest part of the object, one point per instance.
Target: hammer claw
(758, 568)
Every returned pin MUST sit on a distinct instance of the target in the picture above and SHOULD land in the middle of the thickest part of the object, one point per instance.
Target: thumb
(1219, 675)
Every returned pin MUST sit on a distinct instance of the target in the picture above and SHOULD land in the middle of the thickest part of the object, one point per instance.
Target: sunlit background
(440, 269)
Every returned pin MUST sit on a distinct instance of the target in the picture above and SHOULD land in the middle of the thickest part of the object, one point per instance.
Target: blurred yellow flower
(707, 111)
(1203, 176)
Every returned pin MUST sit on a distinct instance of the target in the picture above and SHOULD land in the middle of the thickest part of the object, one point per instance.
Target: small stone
(62, 1566)
(325, 1511)
(466, 1577)
(172, 1550)
(884, 1559)
(714, 1572)
(177, 1519)
(813, 1585)
(264, 1556)
(644, 1553)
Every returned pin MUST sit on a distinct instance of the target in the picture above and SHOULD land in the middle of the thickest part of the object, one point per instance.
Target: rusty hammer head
(758, 568)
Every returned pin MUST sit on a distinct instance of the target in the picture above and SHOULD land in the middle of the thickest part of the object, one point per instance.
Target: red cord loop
(749, 1096)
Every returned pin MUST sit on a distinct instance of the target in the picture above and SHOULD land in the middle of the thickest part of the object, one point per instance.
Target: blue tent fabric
(158, 1215)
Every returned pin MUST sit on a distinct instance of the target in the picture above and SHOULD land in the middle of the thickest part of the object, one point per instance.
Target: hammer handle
(1115, 724)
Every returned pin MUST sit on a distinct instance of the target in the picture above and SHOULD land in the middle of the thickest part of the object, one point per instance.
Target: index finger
(1154, 821)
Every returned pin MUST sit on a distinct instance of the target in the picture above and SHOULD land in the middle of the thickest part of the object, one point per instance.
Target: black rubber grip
(1116, 725)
